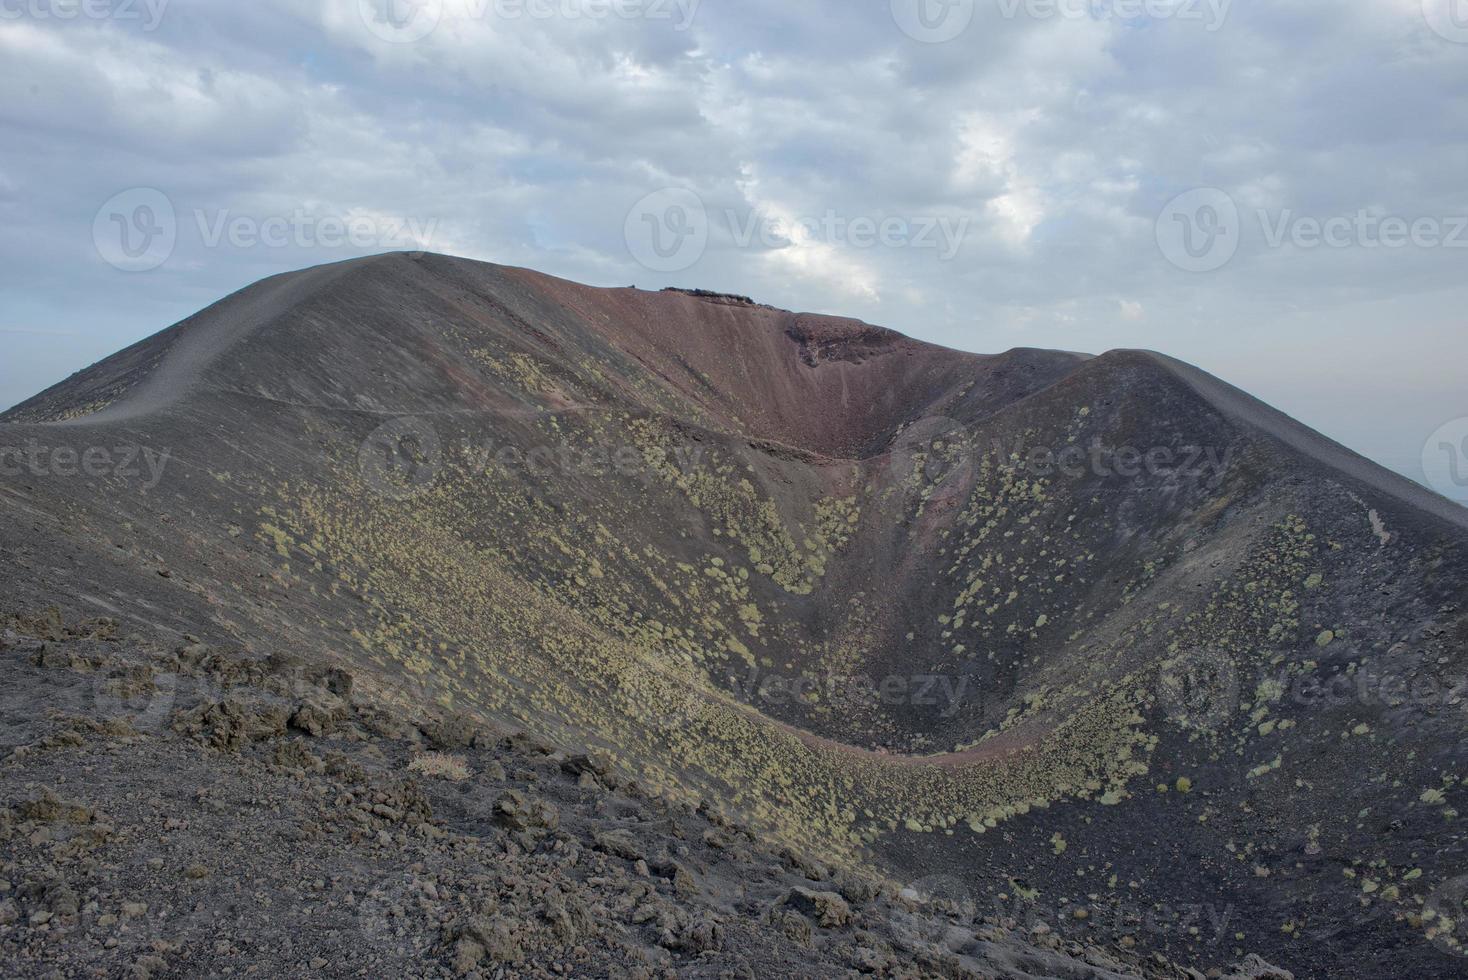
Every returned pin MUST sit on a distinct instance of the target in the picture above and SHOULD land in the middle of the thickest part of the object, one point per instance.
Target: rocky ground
(168, 810)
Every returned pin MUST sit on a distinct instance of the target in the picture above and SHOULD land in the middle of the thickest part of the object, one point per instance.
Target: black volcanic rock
(1095, 644)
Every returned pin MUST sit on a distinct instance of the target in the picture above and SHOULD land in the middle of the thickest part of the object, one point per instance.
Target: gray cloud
(1054, 141)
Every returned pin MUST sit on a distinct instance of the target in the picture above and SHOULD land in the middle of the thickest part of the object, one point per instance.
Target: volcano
(1097, 641)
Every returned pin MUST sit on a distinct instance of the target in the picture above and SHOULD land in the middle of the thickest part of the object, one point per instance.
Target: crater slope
(1101, 641)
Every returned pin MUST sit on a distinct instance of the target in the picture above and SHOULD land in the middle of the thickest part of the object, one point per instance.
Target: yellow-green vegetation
(521, 370)
(438, 765)
(558, 624)
(736, 509)
(587, 621)
(1009, 541)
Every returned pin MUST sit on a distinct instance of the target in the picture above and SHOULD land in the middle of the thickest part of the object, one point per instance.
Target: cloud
(1048, 144)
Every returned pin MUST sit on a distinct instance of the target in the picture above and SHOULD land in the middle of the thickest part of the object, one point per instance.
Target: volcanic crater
(1038, 621)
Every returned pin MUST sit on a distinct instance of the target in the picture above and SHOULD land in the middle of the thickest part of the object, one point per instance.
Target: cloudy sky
(1275, 190)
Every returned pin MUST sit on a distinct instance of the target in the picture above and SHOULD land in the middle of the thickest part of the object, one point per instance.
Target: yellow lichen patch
(519, 369)
(736, 509)
(556, 635)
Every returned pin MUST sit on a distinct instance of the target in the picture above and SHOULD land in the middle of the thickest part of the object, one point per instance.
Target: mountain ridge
(185, 368)
(638, 521)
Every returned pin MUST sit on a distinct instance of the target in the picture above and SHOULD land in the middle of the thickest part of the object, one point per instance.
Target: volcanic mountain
(1098, 639)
